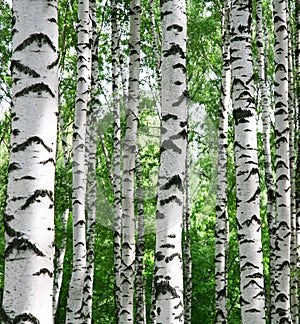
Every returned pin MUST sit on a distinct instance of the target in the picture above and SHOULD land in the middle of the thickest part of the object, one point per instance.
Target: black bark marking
(174, 181)
(168, 246)
(53, 64)
(26, 317)
(176, 27)
(172, 198)
(79, 223)
(169, 116)
(255, 195)
(40, 38)
(254, 218)
(16, 64)
(241, 115)
(13, 166)
(172, 256)
(50, 160)
(249, 265)
(34, 197)
(169, 145)
(22, 244)
(183, 97)
(159, 256)
(29, 142)
(43, 271)
(37, 87)
(173, 50)
(179, 66)
(163, 287)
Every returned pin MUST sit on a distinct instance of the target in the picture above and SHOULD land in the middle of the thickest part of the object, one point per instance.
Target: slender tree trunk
(187, 257)
(140, 249)
(29, 214)
(269, 179)
(59, 266)
(75, 293)
(168, 276)
(129, 156)
(91, 198)
(294, 245)
(247, 182)
(115, 47)
(283, 192)
(221, 230)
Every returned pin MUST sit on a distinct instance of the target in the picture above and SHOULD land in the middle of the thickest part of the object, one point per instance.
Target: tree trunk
(115, 47)
(129, 156)
(283, 192)
(168, 276)
(91, 197)
(29, 214)
(75, 294)
(140, 249)
(269, 179)
(222, 229)
(246, 160)
(187, 257)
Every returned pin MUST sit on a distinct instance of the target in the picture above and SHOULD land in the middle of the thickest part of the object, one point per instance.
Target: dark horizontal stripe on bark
(248, 265)
(253, 283)
(37, 87)
(170, 199)
(50, 160)
(165, 13)
(255, 196)
(16, 64)
(43, 271)
(22, 244)
(39, 38)
(53, 64)
(163, 287)
(34, 197)
(254, 218)
(176, 27)
(13, 166)
(31, 140)
(174, 181)
(170, 145)
(172, 256)
(173, 50)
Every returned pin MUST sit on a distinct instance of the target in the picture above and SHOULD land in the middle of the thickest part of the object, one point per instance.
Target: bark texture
(75, 294)
(29, 214)
(246, 161)
(168, 272)
(222, 230)
(283, 191)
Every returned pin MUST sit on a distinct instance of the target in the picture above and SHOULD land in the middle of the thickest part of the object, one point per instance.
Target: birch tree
(168, 276)
(115, 47)
(266, 119)
(283, 201)
(91, 144)
(129, 156)
(29, 214)
(246, 165)
(75, 293)
(221, 230)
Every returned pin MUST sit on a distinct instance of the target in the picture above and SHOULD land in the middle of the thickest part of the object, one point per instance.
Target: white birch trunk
(91, 197)
(129, 156)
(59, 258)
(29, 214)
(115, 47)
(187, 260)
(283, 192)
(140, 249)
(247, 181)
(168, 273)
(75, 293)
(269, 179)
(222, 229)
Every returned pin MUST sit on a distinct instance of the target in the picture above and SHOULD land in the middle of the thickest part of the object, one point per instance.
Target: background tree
(246, 161)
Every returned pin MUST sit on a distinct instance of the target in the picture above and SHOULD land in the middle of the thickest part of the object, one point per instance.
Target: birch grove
(149, 161)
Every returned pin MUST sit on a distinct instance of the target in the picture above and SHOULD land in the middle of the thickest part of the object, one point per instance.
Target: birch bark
(29, 214)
